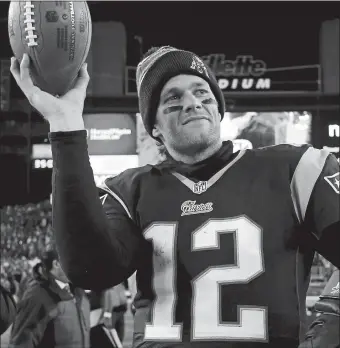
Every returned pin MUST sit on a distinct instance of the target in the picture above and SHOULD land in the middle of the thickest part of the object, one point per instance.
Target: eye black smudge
(209, 101)
(173, 109)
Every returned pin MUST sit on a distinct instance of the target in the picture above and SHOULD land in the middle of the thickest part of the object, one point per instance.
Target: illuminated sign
(248, 73)
(43, 151)
(111, 133)
(243, 73)
(107, 134)
(106, 165)
(329, 133)
(333, 135)
(334, 130)
(42, 163)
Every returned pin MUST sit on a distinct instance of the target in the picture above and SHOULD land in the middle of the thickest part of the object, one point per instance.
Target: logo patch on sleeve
(334, 181)
(103, 198)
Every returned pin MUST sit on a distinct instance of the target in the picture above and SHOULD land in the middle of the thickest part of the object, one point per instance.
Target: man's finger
(83, 78)
(15, 69)
(25, 69)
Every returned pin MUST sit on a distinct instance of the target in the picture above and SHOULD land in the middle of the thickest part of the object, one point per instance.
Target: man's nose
(191, 103)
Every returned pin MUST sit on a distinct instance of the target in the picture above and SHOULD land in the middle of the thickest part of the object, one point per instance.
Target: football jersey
(226, 262)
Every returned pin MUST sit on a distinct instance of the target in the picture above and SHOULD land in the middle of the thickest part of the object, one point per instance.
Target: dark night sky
(280, 33)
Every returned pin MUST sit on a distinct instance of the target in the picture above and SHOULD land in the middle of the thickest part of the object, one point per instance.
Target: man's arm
(316, 197)
(96, 252)
(98, 247)
(7, 309)
(323, 212)
(30, 323)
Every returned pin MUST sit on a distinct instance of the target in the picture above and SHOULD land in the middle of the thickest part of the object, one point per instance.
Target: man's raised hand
(63, 113)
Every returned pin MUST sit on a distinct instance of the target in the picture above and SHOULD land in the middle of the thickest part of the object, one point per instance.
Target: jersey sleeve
(97, 241)
(315, 194)
(124, 189)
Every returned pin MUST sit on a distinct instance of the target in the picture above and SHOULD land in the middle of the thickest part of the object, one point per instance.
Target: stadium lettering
(244, 84)
(107, 134)
(334, 130)
(242, 66)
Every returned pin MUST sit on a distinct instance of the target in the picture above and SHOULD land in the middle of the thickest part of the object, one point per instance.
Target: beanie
(156, 69)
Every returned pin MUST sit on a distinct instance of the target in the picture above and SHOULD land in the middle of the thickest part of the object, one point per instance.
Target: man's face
(187, 118)
(58, 272)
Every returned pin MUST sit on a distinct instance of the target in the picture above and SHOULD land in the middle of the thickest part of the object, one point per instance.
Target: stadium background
(294, 99)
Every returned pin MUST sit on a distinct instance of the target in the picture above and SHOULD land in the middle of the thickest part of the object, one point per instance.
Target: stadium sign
(246, 73)
(330, 134)
(243, 73)
(111, 133)
(333, 130)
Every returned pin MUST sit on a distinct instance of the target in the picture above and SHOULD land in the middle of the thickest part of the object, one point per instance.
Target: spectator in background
(114, 305)
(108, 309)
(7, 309)
(51, 314)
(37, 274)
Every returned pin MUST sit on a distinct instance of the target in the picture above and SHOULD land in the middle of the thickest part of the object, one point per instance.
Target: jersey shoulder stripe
(108, 191)
(305, 177)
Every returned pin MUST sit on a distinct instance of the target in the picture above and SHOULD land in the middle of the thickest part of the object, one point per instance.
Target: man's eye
(201, 91)
(171, 98)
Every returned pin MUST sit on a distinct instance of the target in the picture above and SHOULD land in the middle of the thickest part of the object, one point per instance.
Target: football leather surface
(56, 35)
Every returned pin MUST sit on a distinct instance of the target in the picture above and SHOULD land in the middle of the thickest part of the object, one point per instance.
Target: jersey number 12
(206, 323)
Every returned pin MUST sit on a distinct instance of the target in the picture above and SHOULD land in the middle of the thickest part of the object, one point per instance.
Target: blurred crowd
(26, 231)
(26, 236)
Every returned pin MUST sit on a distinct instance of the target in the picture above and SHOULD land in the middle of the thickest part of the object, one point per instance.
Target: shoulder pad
(282, 150)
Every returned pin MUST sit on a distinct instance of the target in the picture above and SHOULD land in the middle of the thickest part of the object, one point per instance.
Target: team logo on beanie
(198, 65)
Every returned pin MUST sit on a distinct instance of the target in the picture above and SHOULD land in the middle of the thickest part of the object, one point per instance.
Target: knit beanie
(156, 69)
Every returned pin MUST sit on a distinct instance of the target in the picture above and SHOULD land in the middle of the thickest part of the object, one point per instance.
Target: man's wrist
(67, 124)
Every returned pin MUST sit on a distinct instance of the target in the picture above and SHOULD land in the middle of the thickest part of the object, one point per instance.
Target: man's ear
(155, 132)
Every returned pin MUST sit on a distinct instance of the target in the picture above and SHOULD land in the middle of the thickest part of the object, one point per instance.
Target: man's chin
(197, 133)
(195, 142)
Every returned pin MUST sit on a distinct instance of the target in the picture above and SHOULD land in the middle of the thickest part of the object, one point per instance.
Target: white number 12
(206, 324)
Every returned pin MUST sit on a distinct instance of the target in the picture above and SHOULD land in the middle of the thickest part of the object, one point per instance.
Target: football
(56, 35)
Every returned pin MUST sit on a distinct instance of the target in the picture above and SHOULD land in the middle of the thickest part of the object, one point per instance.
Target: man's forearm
(88, 248)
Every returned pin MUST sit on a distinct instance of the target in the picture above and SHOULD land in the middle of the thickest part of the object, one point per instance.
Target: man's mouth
(194, 118)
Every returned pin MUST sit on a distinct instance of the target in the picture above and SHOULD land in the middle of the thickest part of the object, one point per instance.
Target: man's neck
(61, 284)
(197, 156)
